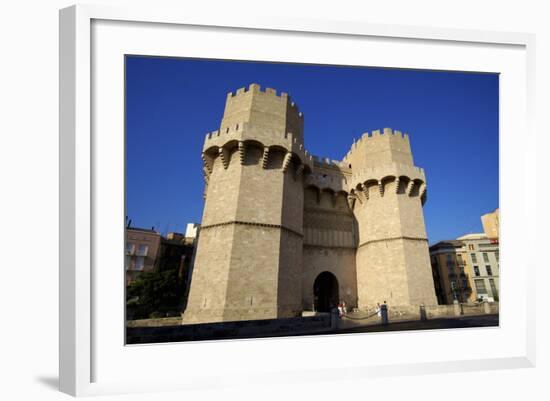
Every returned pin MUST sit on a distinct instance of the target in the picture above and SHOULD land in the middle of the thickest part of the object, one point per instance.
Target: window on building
(493, 288)
(489, 271)
(485, 257)
(480, 286)
(140, 262)
(459, 258)
(471, 247)
(476, 271)
(142, 250)
(127, 259)
(474, 258)
(130, 248)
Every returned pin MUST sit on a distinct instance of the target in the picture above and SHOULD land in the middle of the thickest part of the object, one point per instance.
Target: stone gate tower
(249, 254)
(392, 258)
(284, 231)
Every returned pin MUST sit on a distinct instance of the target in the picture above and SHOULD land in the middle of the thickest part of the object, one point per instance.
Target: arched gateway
(325, 292)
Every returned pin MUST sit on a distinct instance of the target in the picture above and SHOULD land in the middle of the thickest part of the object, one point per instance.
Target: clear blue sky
(451, 118)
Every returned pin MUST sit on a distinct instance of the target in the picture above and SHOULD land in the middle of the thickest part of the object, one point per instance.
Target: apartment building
(466, 269)
(142, 247)
(482, 261)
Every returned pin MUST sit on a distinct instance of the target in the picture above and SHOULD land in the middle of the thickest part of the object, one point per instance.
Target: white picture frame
(81, 346)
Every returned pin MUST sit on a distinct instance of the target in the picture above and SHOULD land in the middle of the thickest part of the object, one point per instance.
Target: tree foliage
(155, 294)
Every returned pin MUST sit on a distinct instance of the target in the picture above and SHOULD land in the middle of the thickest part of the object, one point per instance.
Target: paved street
(446, 323)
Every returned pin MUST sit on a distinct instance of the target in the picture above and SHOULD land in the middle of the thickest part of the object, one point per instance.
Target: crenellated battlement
(378, 147)
(268, 111)
(325, 162)
(392, 169)
(246, 132)
(328, 175)
(256, 89)
(245, 128)
(380, 133)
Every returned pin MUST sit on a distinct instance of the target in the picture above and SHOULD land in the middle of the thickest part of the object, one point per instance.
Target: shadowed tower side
(249, 253)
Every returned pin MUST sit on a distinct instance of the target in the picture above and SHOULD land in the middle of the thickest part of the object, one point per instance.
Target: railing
(360, 318)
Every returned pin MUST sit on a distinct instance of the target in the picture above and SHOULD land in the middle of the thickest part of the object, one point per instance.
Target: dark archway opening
(325, 292)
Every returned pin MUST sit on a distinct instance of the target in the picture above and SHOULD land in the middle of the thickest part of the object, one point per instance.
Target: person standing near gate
(384, 313)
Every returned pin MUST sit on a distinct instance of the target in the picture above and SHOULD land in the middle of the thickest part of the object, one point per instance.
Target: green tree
(155, 294)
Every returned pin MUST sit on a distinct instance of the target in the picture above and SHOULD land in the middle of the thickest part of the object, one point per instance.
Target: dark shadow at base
(52, 382)
(283, 328)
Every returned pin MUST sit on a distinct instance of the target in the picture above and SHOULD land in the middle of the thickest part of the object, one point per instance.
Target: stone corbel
(365, 191)
(286, 161)
(224, 157)
(265, 157)
(242, 151)
(207, 164)
(410, 187)
(359, 195)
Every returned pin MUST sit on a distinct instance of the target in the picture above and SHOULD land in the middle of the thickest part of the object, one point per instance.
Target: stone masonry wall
(209, 283)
